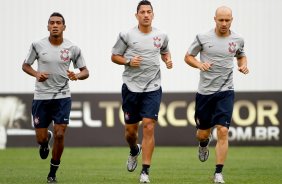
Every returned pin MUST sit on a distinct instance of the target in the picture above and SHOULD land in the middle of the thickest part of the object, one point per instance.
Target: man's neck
(222, 34)
(56, 40)
(145, 29)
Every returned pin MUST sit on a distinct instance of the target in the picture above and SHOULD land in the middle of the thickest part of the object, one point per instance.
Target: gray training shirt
(55, 60)
(220, 51)
(149, 47)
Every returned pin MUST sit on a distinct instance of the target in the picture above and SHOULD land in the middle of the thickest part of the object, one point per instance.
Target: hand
(243, 69)
(136, 61)
(205, 66)
(72, 76)
(41, 76)
(169, 64)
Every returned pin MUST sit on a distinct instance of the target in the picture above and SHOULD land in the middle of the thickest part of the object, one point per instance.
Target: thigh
(61, 110)
(224, 108)
(203, 111)
(41, 113)
(150, 104)
(130, 105)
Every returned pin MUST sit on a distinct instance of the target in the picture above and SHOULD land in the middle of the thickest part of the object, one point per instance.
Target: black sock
(204, 143)
(44, 145)
(218, 168)
(145, 168)
(134, 150)
(54, 165)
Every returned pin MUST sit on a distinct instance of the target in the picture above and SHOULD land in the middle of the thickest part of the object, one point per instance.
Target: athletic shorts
(46, 111)
(214, 109)
(137, 106)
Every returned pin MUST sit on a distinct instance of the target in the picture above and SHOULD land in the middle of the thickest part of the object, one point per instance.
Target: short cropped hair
(144, 2)
(57, 14)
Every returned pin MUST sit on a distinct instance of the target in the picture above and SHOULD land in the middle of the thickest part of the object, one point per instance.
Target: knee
(149, 126)
(222, 132)
(59, 135)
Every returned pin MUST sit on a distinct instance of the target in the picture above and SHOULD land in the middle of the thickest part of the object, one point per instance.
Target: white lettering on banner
(265, 109)
(271, 113)
(191, 112)
(162, 113)
(76, 115)
(252, 134)
(109, 107)
(236, 113)
(171, 108)
(87, 116)
(257, 113)
(86, 111)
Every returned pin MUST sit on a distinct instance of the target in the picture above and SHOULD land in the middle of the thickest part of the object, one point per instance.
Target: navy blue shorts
(137, 106)
(214, 109)
(46, 111)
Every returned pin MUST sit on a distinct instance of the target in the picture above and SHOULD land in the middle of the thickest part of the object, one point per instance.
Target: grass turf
(171, 165)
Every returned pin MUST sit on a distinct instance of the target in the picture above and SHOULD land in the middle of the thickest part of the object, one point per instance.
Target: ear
(153, 15)
(48, 28)
(214, 18)
(64, 27)
(136, 16)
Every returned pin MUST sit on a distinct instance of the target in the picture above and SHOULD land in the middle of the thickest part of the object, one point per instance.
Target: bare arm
(118, 59)
(242, 65)
(193, 62)
(121, 60)
(83, 74)
(40, 76)
(167, 59)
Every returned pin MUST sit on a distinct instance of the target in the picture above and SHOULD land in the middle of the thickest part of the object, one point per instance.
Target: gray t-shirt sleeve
(32, 55)
(120, 45)
(240, 52)
(78, 59)
(195, 47)
(165, 49)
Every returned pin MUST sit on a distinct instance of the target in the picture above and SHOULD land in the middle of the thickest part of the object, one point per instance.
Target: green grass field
(171, 165)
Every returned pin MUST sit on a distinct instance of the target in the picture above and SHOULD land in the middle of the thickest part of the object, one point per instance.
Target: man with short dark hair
(138, 50)
(52, 98)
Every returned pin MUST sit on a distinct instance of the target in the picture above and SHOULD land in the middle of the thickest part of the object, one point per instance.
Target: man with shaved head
(215, 96)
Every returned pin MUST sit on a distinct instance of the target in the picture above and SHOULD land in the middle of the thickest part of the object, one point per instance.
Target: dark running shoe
(44, 151)
(51, 179)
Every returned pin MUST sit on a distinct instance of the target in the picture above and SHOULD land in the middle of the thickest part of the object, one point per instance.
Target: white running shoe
(144, 178)
(132, 160)
(204, 151)
(218, 178)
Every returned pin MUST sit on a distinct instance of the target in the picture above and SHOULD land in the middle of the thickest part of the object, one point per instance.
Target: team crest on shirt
(65, 55)
(232, 47)
(157, 42)
(36, 120)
